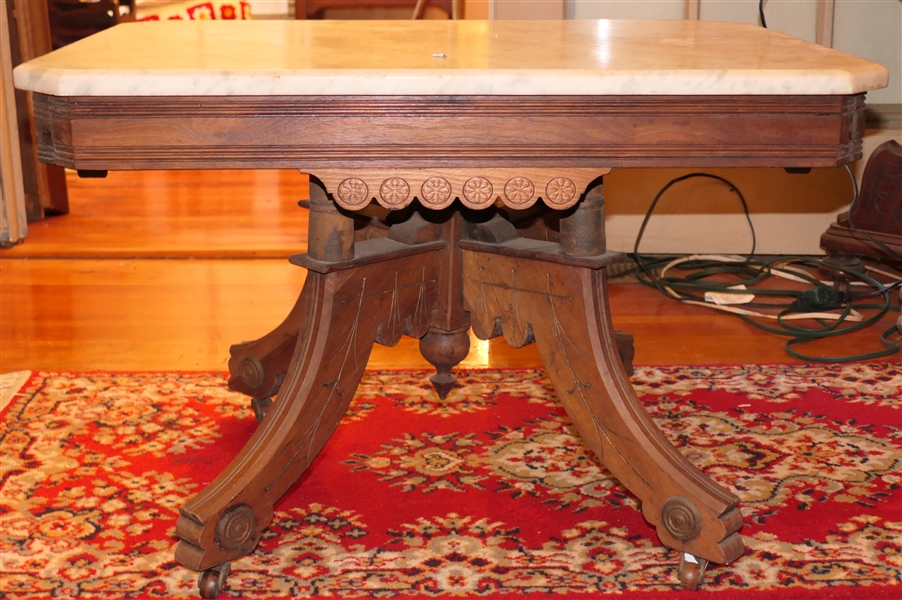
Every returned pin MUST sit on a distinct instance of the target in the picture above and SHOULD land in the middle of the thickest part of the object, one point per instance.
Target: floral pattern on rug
(494, 495)
(783, 458)
(544, 459)
(857, 383)
(454, 555)
(474, 391)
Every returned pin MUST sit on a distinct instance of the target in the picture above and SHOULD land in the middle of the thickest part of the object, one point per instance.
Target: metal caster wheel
(260, 406)
(692, 571)
(211, 581)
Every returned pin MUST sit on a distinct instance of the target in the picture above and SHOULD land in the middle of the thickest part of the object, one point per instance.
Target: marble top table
(325, 95)
(434, 58)
(487, 143)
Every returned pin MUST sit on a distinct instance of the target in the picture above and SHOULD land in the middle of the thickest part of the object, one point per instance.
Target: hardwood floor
(175, 214)
(165, 270)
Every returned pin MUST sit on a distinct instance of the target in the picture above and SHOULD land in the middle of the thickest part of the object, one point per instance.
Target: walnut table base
(433, 279)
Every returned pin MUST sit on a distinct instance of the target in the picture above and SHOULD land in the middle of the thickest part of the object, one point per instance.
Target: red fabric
(186, 10)
(488, 494)
(202, 10)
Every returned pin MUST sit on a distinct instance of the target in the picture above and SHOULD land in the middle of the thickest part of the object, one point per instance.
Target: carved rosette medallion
(478, 193)
(394, 191)
(353, 194)
(437, 192)
(237, 529)
(519, 192)
(560, 193)
(681, 518)
(251, 371)
(437, 188)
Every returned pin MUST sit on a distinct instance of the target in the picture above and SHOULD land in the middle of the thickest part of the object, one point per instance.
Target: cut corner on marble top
(248, 58)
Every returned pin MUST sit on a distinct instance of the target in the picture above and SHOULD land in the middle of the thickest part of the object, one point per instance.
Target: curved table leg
(564, 309)
(258, 367)
(342, 313)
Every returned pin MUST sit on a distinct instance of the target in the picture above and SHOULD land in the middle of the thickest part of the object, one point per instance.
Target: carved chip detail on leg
(565, 308)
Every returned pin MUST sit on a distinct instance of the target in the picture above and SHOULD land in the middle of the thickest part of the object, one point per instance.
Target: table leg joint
(339, 317)
(564, 308)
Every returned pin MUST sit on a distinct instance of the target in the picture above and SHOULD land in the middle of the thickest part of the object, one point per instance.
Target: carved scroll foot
(444, 350)
(564, 308)
(342, 312)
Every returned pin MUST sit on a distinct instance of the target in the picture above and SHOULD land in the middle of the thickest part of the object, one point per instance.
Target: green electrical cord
(749, 272)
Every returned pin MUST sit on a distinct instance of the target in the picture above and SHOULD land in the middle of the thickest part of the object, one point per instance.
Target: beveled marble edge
(59, 82)
(325, 58)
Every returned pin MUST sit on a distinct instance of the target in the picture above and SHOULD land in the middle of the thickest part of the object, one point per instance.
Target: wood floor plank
(176, 214)
(138, 314)
(90, 314)
(164, 270)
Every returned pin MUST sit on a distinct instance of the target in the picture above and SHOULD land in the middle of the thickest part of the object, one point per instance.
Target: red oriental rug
(489, 494)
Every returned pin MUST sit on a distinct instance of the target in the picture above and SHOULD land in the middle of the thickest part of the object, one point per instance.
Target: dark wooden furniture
(44, 185)
(873, 226)
(72, 20)
(451, 168)
(314, 9)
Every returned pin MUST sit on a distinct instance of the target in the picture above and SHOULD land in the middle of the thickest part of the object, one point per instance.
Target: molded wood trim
(449, 132)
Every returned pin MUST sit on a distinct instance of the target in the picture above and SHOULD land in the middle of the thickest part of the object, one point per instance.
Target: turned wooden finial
(444, 351)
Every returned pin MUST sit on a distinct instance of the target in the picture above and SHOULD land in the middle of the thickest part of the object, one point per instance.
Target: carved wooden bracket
(519, 189)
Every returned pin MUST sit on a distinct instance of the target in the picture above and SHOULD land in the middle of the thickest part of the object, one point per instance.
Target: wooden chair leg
(564, 309)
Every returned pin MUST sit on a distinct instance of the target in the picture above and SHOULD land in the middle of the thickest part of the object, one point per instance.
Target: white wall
(792, 17)
(530, 9)
(625, 9)
(789, 212)
(872, 29)
(270, 8)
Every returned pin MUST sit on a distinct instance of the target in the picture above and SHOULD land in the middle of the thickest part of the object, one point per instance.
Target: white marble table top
(177, 58)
